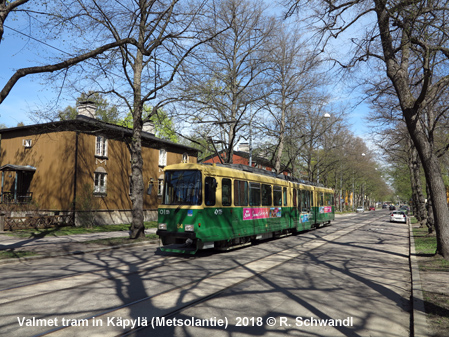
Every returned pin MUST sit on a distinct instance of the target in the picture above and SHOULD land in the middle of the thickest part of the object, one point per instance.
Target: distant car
(404, 209)
(360, 209)
(384, 206)
(392, 208)
(398, 216)
(372, 208)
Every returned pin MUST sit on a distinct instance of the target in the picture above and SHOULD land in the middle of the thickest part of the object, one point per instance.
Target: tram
(224, 206)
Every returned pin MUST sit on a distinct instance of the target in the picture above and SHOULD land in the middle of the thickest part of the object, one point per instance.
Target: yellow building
(51, 164)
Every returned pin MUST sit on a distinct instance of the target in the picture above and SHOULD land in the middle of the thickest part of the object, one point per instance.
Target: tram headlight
(188, 228)
(163, 226)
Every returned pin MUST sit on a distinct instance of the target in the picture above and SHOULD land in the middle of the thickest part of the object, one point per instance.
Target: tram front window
(182, 188)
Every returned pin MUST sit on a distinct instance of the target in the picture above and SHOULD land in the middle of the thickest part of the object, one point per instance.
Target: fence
(36, 221)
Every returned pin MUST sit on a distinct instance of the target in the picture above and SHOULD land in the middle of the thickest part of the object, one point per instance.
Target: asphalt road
(348, 279)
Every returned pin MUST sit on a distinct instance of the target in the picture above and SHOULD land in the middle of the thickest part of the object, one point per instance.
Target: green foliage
(163, 125)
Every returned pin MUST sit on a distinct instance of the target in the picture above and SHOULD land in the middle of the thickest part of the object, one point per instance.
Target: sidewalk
(49, 246)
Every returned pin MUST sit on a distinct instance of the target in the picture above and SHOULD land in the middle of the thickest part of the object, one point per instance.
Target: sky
(30, 94)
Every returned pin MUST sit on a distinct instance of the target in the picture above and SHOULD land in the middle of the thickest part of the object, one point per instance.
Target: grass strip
(433, 269)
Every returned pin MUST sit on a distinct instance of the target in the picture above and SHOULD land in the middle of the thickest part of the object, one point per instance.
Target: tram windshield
(182, 188)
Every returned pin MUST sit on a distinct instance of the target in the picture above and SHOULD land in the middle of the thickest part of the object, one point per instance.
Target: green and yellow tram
(223, 206)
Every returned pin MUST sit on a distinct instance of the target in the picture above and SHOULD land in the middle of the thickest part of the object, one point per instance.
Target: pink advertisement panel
(261, 213)
(326, 209)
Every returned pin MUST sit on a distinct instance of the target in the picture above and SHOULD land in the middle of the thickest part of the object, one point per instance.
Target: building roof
(86, 124)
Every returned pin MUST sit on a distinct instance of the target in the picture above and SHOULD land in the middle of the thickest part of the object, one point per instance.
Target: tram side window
(209, 191)
(277, 195)
(266, 195)
(294, 197)
(329, 199)
(240, 193)
(321, 202)
(254, 194)
(226, 192)
(305, 201)
(285, 197)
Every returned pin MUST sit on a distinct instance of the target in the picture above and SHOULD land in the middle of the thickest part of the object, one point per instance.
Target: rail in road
(143, 311)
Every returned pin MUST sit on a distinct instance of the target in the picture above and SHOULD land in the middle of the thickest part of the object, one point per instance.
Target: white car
(360, 209)
(398, 216)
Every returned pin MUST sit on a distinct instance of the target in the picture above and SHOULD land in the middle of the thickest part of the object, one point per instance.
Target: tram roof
(241, 170)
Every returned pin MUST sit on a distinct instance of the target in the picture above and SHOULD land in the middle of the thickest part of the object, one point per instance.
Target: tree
(19, 6)
(163, 125)
(226, 77)
(164, 35)
(293, 78)
(408, 42)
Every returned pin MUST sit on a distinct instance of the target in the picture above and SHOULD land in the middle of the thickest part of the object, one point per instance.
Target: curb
(77, 252)
(419, 318)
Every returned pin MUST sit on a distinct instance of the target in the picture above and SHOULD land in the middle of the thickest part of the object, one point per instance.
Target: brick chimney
(244, 147)
(87, 108)
(148, 127)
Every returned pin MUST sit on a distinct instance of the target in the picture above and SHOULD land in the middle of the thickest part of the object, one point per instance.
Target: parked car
(360, 209)
(405, 209)
(398, 216)
(392, 208)
(372, 208)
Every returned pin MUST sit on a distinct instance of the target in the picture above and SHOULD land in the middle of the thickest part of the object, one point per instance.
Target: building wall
(53, 183)
(53, 156)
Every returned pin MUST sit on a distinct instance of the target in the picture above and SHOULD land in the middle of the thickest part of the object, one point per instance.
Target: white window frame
(160, 187)
(162, 157)
(185, 157)
(101, 146)
(100, 182)
(27, 142)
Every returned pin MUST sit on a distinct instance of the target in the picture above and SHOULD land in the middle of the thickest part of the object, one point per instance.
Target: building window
(185, 158)
(162, 157)
(101, 146)
(100, 183)
(160, 187)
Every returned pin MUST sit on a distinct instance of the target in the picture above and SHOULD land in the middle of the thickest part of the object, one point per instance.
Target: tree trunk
(419, 203)
(430, 223)
(137, 226)
(435, 181)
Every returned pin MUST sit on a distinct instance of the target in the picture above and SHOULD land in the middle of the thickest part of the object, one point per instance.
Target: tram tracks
(172, 301)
